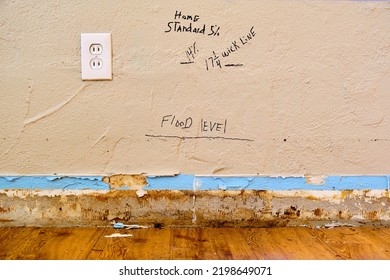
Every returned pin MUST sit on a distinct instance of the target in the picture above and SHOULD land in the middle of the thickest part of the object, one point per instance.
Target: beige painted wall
(313, 91)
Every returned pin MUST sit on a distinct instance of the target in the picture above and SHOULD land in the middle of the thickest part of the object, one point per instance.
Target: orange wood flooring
(298, 243)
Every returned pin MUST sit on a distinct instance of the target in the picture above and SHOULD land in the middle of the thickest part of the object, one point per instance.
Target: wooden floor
(195, 243)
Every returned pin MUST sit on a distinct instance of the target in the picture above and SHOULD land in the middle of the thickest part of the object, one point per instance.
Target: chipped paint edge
(197, 182)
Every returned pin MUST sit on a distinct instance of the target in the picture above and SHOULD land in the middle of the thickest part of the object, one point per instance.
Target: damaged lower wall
(187, 200)
(268, 87)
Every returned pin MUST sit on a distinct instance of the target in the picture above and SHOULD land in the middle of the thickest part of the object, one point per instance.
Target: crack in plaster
(27, 121)
(112, 153)
(100, 138)
(52, 110)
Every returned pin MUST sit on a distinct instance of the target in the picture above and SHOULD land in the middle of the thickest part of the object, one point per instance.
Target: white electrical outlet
(96, 56)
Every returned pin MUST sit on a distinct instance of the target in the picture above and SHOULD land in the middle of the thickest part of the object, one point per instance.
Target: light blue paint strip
(177, 182)
(186, 182)
(53, 182)
(294, 183)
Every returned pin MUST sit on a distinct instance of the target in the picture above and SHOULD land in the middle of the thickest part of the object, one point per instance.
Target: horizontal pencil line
(198, 137)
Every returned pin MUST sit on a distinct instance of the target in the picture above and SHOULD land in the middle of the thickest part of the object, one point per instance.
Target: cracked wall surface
(303, 88)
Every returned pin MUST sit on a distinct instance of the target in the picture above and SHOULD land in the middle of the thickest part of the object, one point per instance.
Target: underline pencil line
(233, 65)
(199, 137)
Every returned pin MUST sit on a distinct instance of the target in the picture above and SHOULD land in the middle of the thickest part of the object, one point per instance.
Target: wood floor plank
(355, 243)
(68, 243)
(104, 246)
(301, 243)
(263, 245)
(97, 248)
(238, 243)
(287, 243)
(16, 243)
(195, 243)
(149, 244)
(213, 246)
(377, 244)
(53, 243)
(220, 248)
(189, 243)
(384, 230)
(3, 233)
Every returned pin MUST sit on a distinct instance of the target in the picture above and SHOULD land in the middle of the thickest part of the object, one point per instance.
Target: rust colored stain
(318, 212)
(291, 213)
(311, 197)
(156, 194)
(3, 210)
(372, 216)
(5, 220)
(134, 182)
(346, 193)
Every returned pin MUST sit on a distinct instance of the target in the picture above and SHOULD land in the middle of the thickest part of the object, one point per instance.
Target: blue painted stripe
(177, 182)
(187, 182)
(294, 183)
(53, 182)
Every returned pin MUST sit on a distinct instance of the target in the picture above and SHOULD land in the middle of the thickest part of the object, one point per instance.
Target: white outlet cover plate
(89, 70)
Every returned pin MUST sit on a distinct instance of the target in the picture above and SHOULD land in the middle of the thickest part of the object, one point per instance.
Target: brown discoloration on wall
(318, 212)
(372, 215)
(134, 182)
(289, 213)
(311, 197)
(3, 210)
(346, 193)
(246, 208)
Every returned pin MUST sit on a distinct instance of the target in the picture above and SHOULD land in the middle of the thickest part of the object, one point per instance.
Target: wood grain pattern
(195, 243)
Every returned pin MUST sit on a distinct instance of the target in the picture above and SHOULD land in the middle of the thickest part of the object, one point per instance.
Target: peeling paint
(315, 180)
(195, 182)
(294, 183)
(141, 192)
(53, 182)
(123, 181)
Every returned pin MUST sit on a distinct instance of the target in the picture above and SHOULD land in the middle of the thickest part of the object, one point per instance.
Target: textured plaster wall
(309, 93)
